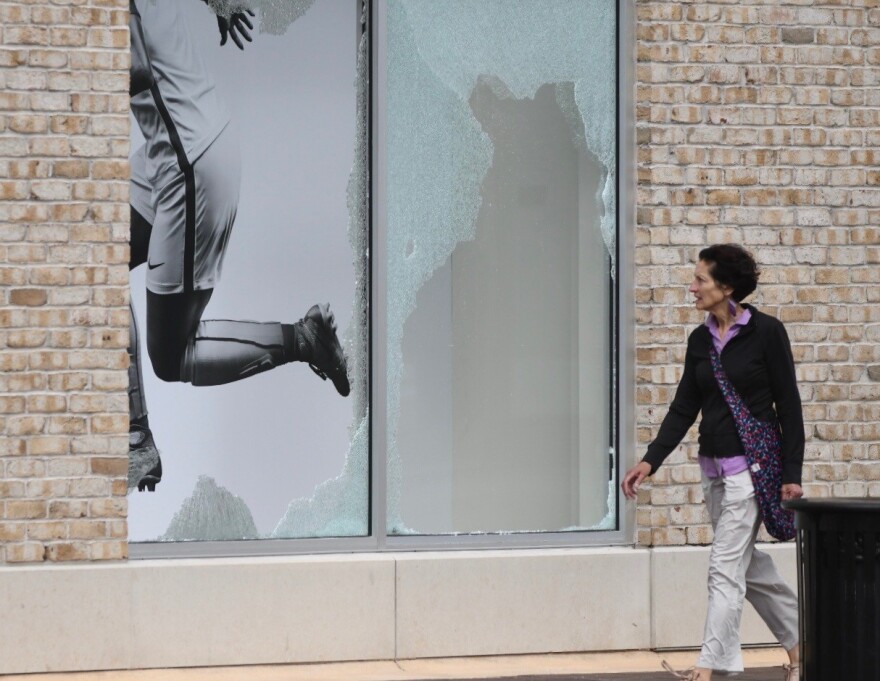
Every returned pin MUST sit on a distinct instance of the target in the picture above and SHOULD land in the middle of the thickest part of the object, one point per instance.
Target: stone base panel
(191, 613)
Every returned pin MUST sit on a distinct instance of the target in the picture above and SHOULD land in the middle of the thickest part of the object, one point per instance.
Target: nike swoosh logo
(152, 266)
(260, 364)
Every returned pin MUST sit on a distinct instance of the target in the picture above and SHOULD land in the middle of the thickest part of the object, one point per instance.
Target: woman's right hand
(634, 477)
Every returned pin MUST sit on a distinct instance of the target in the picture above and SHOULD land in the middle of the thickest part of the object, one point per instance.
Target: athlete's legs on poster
(181, 231)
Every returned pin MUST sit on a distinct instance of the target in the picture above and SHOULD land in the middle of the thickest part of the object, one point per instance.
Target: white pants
(738, 571)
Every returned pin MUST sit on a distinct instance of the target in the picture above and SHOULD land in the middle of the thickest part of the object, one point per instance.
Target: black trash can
(838, 544)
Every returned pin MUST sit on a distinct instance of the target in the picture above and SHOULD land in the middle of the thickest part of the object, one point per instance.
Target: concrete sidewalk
(762, 664)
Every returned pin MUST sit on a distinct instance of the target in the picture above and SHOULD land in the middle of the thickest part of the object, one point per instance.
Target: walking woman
(755, 354)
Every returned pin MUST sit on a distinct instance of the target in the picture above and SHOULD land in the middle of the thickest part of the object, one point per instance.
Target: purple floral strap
(763, 449)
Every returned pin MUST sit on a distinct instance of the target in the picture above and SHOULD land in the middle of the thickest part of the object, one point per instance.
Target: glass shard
(339, 507)
(211, 513)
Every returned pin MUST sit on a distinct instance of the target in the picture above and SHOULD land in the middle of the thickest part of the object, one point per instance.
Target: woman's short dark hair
(733, 266)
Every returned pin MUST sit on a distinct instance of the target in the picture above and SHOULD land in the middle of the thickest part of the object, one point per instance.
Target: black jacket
(759, 363)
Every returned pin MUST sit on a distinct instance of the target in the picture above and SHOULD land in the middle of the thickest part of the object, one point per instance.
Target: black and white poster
(249, 377)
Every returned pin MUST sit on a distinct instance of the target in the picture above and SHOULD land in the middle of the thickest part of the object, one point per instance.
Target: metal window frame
(623, 315)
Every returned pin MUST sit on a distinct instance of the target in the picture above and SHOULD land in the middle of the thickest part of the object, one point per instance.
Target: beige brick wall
(756, 123)
(64, 276)
(759, 123)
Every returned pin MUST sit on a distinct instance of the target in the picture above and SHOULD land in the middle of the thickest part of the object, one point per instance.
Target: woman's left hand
(792, 491)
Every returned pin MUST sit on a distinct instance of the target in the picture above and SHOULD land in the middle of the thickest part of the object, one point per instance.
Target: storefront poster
(279, 453)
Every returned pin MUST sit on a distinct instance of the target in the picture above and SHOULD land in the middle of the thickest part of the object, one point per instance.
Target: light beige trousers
(738, 571)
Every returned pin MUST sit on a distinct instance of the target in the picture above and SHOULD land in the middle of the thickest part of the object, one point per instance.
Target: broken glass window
(501, 202)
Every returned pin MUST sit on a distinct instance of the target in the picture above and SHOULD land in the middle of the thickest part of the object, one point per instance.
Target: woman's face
(708, 294)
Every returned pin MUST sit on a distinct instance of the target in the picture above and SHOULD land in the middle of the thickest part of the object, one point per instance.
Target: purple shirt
(725, 466)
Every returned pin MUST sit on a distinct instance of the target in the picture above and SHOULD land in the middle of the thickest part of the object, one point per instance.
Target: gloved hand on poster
(235, 25)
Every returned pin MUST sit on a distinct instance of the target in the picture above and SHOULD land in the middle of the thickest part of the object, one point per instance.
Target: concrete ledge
(272, 611)
(59, 618)
(147, 614)
(504, 602)
(679, 596)
(306, 609)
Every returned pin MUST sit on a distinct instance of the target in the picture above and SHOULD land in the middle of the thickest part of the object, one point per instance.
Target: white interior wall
(424, 433)
(594, 349)
(504, 401)
(513, 292)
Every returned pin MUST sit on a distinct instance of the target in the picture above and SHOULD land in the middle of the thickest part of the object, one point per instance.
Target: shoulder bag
(762, 443)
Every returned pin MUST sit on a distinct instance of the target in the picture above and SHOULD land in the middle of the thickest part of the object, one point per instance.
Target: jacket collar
(745, 330)
(750, 325)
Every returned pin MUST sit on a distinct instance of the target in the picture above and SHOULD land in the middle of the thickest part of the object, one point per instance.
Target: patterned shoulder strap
(731, 396)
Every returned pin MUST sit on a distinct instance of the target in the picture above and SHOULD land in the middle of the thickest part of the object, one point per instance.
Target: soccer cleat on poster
(318, 345)
(144, 463)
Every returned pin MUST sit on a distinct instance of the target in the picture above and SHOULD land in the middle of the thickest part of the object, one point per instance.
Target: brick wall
(756, 123)
(63, 253)
(759, 123)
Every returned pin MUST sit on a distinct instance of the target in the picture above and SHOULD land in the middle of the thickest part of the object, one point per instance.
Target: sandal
(690, 674)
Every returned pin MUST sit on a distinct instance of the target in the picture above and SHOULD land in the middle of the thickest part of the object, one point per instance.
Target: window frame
(623, 349)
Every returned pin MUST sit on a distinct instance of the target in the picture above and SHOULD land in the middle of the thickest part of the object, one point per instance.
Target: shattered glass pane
(501, 161)
(339, 507)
